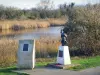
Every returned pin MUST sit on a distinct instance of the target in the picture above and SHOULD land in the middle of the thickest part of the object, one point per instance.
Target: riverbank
(44, 47)
(30, 24)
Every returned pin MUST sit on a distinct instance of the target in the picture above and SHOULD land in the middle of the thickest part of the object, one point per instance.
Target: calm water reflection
(30, 34)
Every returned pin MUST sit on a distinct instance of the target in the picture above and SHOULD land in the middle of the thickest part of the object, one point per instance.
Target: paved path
(52, 71)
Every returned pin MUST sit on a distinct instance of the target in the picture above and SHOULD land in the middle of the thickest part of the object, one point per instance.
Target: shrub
(83, 29)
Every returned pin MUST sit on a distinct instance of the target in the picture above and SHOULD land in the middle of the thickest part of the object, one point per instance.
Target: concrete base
(63, 56)
(26, 54)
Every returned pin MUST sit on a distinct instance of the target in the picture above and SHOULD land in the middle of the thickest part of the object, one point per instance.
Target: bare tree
(45, 4)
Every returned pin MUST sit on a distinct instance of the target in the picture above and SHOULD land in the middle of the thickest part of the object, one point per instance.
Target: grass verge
(87, 62)
(8, 71)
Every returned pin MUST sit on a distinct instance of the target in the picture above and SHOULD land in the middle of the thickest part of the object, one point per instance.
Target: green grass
(8, 71)
(42, 64)
(85, 63)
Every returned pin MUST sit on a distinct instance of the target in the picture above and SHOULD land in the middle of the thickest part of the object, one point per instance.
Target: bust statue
(64, 38)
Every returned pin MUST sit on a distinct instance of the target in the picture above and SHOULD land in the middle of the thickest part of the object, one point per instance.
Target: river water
(32, 33)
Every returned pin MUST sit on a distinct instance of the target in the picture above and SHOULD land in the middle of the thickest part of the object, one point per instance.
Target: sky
(27, 4)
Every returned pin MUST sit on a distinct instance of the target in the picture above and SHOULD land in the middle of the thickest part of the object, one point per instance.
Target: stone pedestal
(63, 56)
(26, 54)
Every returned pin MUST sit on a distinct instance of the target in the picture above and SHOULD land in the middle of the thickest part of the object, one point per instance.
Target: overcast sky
(32, 3)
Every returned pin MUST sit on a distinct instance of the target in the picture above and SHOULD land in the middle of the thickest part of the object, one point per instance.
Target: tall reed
(45, 47)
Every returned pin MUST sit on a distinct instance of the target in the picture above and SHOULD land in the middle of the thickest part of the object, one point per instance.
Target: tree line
(33, 13)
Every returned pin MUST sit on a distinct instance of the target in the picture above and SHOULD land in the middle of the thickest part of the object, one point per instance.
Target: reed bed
(27, 24)
(8, 50)
(57, 22)
(45, 47)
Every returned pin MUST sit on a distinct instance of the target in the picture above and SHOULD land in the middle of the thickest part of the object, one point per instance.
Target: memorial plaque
(60, 53)
(25, 47)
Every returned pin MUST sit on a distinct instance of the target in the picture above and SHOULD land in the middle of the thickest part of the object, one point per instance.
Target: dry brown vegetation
(8, 49)
(8, 24)
(57, 22)
(47, 47)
